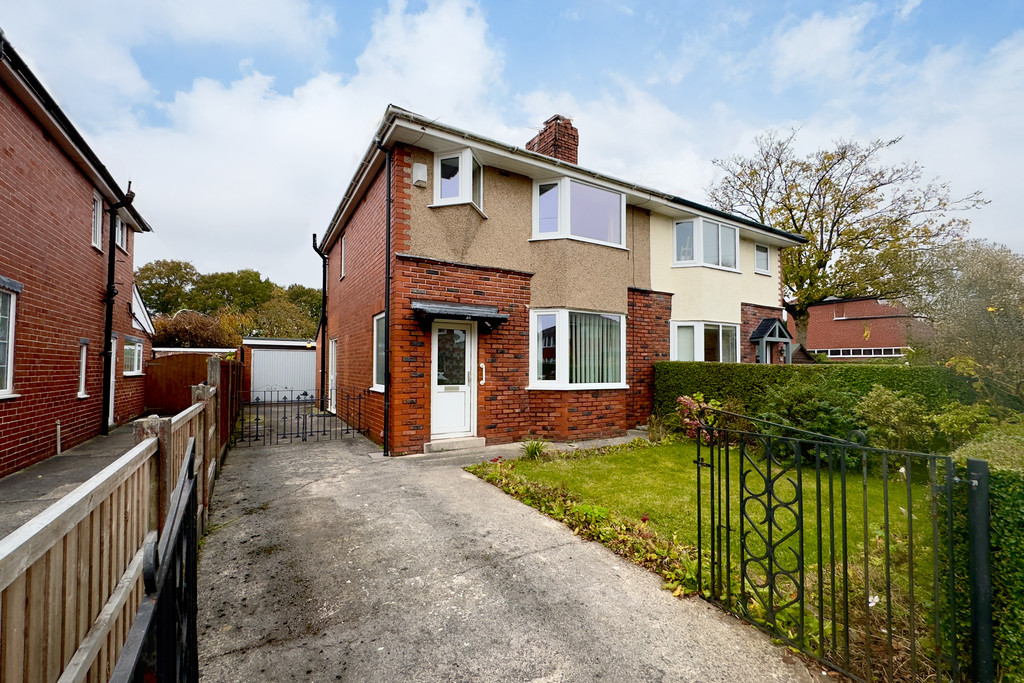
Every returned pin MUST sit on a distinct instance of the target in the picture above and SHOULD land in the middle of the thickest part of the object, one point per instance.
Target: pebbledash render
(529, 296)
(67, 237)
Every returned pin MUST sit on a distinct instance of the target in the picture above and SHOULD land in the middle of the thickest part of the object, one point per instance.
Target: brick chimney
(559, 139)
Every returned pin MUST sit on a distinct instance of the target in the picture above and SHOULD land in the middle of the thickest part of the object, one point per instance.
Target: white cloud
(908, 8)
(820, 49)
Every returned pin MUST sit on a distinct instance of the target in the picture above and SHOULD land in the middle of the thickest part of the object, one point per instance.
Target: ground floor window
(378, 352)
(577, 349)
(132, 356)
(83, 357)
(705, 341)
(8, 299)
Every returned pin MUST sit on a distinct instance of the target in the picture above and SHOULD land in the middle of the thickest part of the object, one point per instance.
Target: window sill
(377, 389)
(97, 248)
(6, 397)
(710, 267)
(134, 374)
(536, 238)
(461, 202)
(577, 387)
(763, 272)
(83, 396)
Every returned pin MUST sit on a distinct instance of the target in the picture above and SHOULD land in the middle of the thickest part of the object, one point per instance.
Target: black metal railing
(162, 643)
(840, 550)
(282, 416)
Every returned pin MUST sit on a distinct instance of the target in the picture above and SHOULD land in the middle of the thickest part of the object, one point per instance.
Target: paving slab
(26, 493)
(329, 562)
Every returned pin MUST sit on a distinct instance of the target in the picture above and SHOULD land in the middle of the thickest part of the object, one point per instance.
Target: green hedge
(750, 382)
(1003, 448)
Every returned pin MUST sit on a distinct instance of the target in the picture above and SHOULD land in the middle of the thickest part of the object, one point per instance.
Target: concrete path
(328, 562)
(26, 493)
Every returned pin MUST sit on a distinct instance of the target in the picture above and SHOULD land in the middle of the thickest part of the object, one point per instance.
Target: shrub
(811, 402)
(894, 419)
(534, 449)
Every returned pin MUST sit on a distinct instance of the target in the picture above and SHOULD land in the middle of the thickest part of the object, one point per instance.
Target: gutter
(323, 328)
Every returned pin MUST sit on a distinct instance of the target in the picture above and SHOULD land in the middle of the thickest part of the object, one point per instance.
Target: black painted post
(978, 530)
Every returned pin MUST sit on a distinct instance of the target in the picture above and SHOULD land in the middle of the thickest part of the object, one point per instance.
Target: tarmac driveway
(328, 562)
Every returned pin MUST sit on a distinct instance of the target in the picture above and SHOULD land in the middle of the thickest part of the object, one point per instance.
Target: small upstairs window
(458, 179)
(121, 233)
(761, 262)
(97, 221)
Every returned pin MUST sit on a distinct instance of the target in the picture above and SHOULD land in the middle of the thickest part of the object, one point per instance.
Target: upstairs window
(97, 221)
(459, 179)
(704, 242)
(570, 208)
(761, 263)
(121, 233)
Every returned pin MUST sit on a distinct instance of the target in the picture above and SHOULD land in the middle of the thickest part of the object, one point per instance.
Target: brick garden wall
(46, 229)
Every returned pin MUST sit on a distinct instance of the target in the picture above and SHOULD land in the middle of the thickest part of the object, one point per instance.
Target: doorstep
(457, 444)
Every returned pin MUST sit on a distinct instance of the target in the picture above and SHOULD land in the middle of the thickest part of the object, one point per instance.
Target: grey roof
(431, 310)
(769, 328)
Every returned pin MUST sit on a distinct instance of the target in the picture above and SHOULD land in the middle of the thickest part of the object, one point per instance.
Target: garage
(286, 367)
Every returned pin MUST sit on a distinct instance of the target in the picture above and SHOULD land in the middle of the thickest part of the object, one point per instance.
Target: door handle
(483, 374)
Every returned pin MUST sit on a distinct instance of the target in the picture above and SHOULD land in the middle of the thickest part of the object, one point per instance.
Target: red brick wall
(647, 343)
(558, 139)
(751, 317)
(864, 323)
(45, 223)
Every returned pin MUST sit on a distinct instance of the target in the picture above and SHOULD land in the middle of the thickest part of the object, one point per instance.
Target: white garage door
(293, 370)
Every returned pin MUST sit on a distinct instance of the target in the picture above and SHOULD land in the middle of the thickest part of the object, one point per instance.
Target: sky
(241, 122)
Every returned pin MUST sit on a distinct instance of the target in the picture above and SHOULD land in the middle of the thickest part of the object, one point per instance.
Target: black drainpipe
(323, 329)
(108, 322)
(387, 307)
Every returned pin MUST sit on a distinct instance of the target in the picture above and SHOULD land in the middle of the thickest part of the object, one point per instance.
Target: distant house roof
(16, 75)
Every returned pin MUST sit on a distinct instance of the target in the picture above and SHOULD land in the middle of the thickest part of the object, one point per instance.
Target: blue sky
(240, 122)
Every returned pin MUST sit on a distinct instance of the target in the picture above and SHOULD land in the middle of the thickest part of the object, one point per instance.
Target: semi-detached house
(73, 329)
(519, 295)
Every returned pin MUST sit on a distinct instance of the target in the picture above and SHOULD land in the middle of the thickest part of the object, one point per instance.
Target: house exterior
(481, 291)
(865, 328)
(67, 234)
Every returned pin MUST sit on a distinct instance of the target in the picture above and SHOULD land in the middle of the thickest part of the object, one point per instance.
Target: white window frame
(565, 215)
(561, 381)
(698, 339)
(136, 347)
(97, 220)
(466, 174)
(342, 258)
(121, 234)
(7, 390)
(698, 245)
(768, 257)
(374, 385)
(83, 356)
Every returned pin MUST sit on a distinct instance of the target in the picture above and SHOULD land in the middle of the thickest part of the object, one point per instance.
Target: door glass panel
(451, 357)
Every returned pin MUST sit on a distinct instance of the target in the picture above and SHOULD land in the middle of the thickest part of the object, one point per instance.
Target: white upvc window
(699, 241)
(342, 257)
(132, 356)
(378, 353)
(83, 358)
(458, 179)
(577, 350)
(762, 259)
(567, 208)
(121, 233)
(8, 308)
(705, 341)
(97, 221)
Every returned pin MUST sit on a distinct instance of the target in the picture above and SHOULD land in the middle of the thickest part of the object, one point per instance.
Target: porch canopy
(487, 316)
(771, 331)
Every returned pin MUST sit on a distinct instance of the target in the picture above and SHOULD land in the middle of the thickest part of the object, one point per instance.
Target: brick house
(67, 233)
(863, 328)
(518, 295)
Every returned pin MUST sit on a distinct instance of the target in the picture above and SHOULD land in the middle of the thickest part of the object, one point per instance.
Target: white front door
(113, 377)
(332, 376)
(452, 386)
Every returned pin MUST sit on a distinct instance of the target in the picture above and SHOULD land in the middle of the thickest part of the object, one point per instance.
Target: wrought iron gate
(285, 416)
(842, 551)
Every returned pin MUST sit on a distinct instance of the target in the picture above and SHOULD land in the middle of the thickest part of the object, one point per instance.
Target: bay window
(566, 208)
(577, 350)
(700, 241)
(458, 179)
(709, 342)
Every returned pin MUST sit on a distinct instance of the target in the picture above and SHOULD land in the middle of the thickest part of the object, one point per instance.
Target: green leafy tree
(191, 329)
(280, 317)
(166, 285)
(869, 226)
(976, 306)
(244, 290)
(307, 299)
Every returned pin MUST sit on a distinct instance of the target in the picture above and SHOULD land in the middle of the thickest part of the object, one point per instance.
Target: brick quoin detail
(751, 316)
(46, 223)
(647, 343)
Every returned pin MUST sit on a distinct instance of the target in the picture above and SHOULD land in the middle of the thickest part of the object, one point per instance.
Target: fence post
(978, 534)
(161, 483)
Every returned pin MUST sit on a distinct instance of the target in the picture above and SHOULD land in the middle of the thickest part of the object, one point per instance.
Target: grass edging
(631, 539)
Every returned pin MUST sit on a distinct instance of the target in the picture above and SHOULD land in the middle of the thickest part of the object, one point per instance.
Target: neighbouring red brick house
(864, 328)
(58, 208)
(514, 294)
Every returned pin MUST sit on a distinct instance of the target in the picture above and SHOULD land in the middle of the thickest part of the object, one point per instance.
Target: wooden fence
(71, 578)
